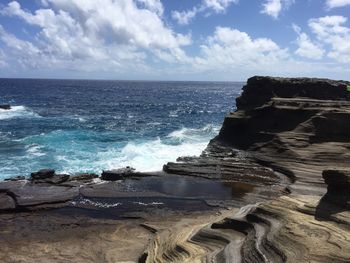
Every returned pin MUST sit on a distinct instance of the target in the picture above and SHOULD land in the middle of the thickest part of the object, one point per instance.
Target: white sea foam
(152, 155)
(35, 150)
(76, 151)
(17, 112)
(146, 156)
(87, 202)
(148, 204)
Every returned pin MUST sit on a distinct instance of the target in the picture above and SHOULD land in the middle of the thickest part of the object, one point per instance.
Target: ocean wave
(87, 151)
(150, 156)
(35, 150)
(147, 156)
(190, 134)
(17, 112)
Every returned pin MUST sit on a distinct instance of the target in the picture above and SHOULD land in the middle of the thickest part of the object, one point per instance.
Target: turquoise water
(86, 126)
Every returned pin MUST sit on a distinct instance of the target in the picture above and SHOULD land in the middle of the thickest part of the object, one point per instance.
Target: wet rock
(30, 196)
(43, 174)
(218, 162)
(15, 178)
(186, 159)
(5, 107)
(6, 202)
(55, 179)
(118, 174)
(84, 177)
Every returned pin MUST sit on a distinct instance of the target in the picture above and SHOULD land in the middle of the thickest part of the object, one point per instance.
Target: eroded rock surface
(284, 155)
(294, 127)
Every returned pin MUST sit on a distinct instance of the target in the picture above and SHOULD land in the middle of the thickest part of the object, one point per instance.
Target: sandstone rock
(43, 174)
(117, 174)
(298, 127)
(5, 107)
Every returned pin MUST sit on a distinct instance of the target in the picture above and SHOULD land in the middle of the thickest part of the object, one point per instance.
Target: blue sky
(174, 39)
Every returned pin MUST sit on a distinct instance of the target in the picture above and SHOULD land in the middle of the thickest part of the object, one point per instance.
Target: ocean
(76, 126)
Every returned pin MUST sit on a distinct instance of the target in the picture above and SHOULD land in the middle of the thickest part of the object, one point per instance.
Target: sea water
(77, 126)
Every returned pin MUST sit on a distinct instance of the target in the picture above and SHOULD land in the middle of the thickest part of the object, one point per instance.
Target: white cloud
(120, 37)
(306, 48)
(2, 59)
(153, 5)
(331, 31)
(273, 8)
(184, 17)
(337, 3)
(232, 49)
(107, 33)
(216, 6)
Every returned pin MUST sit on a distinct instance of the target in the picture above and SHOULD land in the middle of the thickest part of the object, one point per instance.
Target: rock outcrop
(338, 187)
(43, 174)
(5, 107)
(298, 128)
(284, 155)
(118, 174)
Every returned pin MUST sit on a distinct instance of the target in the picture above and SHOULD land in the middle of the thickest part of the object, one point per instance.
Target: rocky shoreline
(273, 186)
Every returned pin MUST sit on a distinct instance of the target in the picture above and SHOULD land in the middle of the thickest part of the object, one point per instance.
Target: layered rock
(298, 128)
(287, 145)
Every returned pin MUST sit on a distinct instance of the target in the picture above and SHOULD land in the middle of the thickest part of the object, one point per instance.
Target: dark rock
(30, 195)
(15, 178)
(43, 174)
(6, 202)
(338, 182)
(84, 177)
(56, 179)
(337, 177)
(5, 107)
(118, 174)
(220, 162)
(260, 90)
(186, 158)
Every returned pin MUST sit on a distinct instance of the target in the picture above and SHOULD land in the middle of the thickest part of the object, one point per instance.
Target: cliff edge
(282, 158)
(296, 129)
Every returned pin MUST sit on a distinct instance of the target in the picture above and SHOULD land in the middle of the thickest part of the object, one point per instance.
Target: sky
(209, 40)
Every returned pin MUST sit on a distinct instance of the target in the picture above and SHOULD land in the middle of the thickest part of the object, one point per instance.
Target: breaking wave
(17, 112)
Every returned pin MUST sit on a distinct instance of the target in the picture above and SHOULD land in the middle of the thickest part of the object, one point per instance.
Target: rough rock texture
(287, 146)
(297, 128)
(16, 178)
(84, 177)
(117, 174)
(6, 202)
(43, 174)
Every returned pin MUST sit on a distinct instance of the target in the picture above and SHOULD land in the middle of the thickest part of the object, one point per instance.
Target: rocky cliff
(284, 155)
(292, 128)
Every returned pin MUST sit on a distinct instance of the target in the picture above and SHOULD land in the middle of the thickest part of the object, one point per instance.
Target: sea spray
(88, 126)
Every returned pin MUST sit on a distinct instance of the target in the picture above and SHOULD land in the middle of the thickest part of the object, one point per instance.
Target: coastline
(274, 149)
